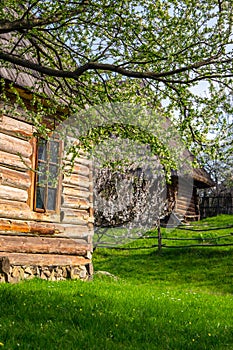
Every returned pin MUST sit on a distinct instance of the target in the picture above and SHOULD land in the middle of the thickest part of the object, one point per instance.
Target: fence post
(159, 237)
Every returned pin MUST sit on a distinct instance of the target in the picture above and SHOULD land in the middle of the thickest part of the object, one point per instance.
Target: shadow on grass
(206, 268)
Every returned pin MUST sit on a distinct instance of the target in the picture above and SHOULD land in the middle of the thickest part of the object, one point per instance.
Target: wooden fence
(200, 239)
(216, 205)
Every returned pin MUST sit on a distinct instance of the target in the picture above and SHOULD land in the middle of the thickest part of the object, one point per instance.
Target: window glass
(41, 169)
(53, 175)
(40, 192)
(52, 192)
(54, 151)
(47, 175)
(42, 149)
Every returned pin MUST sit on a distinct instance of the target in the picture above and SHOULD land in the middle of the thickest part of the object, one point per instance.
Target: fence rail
(160, 240)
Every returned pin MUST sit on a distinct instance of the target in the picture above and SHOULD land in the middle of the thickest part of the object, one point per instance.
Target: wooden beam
(14, 210)
(11, 226)
(12, 193)
(75, 202)
(43, 245)
(40, 228)
(7, 206)
(81, 169)
(14, 178)
(77, 161)
(14, 161)
(75, 231)
(15, 127)
(75, 192)
(75, 180)
(185, 206)
(15, 145)
(74, 216)
(45, 259)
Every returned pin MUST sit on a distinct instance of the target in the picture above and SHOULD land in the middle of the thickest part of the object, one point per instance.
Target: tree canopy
(104, 50)
(173, 56)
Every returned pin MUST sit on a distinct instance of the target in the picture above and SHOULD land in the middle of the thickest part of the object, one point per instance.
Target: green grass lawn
(176, 299)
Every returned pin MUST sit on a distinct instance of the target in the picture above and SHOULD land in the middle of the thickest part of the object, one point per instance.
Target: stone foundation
(14, 274)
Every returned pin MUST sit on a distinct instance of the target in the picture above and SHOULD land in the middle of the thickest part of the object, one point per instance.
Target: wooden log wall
(15, 161)
(186, 201)
(77, 198)
(31, 238)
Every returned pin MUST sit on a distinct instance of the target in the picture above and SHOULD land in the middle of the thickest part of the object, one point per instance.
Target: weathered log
(11, 225)
(81, 169)
(6, 205)
(43, 228)
(185, 211)
(77, 231)
(15, 145)
(14, 178)
(191, 213)
(43, 245)
(12, 193)
(14, 161)
(75, 192)
(76, 180)
(77, 161)
(45, 259)
(186, 204)
(75, 202)
(21, 211)
(15, 127)
(185, 200)
(14, 227)
(73, 216)
(185, 197)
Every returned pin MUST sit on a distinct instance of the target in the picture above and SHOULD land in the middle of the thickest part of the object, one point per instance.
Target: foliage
(90, 52)
(220, 164)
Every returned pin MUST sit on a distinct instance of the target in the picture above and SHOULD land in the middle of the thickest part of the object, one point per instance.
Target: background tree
(219, 163)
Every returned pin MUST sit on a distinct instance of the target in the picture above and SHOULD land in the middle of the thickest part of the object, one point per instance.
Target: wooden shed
(46, 228)
(183, 192)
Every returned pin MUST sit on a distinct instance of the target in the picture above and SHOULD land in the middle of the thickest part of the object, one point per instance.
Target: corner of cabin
(45, 229)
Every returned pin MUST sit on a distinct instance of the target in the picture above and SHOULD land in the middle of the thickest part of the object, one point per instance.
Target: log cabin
(46, 227)
(183, 193)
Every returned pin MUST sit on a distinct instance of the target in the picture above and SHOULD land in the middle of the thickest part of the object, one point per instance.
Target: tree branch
(112, 68)
(26, 23)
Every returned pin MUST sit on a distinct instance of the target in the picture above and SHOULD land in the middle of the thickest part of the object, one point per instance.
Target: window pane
(40, 192)
(41, 175)
(53, 176)
(52, 192)
(54, 151)
(47, 178)
(42, 149)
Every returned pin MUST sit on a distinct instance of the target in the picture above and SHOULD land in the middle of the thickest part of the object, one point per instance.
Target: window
(47, 181)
